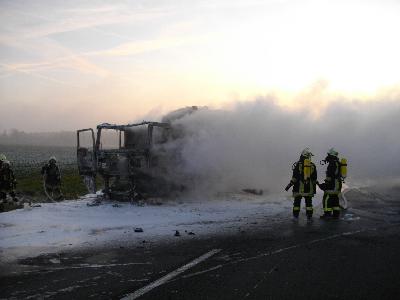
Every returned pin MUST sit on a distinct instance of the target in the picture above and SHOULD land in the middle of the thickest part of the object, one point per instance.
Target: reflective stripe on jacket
(333, 180)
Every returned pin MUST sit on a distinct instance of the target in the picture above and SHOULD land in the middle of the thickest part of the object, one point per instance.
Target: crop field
(21, 156)
(27, 161)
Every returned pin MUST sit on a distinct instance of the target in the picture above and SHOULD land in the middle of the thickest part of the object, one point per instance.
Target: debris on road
(177, 233)
(94, 203)
(350, 217)
(253, 191)
(138, 229)
(55, 260)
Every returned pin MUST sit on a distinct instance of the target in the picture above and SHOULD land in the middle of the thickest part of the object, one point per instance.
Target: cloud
(72, 62)
(139, 47)
(47, 19)
(28, 71)
(30, 28)
(46, 55)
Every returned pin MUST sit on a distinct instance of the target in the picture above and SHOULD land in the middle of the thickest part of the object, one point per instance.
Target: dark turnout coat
(333, 179)
(301, 187)
(52, 174)
(7, 179)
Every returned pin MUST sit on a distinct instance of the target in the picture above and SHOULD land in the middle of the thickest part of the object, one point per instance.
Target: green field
(30, 184)
(27, 161)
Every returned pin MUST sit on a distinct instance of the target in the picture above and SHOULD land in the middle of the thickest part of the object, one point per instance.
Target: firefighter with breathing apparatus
(336, 172)
(52, 179)
(7, 181)
(2, 159)
(304, 183)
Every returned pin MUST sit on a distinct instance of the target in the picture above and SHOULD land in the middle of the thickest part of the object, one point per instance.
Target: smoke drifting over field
(254, 144)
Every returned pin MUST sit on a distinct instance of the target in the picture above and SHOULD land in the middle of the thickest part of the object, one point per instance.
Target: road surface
(357, 257)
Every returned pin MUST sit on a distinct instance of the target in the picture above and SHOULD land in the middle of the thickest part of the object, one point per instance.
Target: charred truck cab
(130, 168)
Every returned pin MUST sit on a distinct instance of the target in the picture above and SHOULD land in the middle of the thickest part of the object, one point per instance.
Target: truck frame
(131, 170)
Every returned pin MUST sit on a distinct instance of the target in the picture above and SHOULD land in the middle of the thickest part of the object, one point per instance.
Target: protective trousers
(296, 206)
(330, 203)
(54, 190)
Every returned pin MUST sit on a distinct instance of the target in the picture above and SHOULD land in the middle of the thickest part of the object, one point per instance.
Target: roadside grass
(30, 183)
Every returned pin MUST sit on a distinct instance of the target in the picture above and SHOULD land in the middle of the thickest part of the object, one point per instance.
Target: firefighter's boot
(296, 206)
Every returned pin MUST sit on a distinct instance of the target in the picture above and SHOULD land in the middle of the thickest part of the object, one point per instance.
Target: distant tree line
(17, 137)
(61, 138)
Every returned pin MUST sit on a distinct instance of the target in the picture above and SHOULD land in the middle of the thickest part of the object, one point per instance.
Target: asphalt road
(357, 257)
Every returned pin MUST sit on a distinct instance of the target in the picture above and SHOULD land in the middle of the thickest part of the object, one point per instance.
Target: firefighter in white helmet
(52, 177)
(332, 186)
(2, 159)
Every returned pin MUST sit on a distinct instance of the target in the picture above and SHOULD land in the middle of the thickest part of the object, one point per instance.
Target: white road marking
(299, 245)
(202, 272)
(169, 276)
(349, 233)
(259, 282)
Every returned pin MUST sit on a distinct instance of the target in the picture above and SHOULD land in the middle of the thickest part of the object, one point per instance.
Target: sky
(65, 65)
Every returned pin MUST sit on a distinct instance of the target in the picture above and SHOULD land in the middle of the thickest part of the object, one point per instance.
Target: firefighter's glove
(288, 186)
(321, 186)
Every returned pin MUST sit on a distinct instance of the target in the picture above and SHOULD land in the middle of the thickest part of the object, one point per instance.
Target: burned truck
(131, 159)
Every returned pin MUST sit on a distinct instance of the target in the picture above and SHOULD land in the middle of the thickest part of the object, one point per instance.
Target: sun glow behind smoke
(67, 65)
(350, 45)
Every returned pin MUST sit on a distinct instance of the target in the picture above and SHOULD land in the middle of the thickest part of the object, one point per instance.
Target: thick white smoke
(254, 144)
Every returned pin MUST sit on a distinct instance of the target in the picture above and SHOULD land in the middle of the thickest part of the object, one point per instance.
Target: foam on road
(68, 225)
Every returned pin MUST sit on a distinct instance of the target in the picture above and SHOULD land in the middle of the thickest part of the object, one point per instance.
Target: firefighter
(2, 158)
(7, 181)
(304, 183)
(52, 177)
(332, 186)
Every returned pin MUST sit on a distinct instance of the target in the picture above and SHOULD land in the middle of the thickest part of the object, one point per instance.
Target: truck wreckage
(135, 168)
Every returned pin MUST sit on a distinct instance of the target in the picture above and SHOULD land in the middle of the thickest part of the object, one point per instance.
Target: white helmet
(6, 162)
(307, 153)
(333, 152)
(2, 157)
(52, 158)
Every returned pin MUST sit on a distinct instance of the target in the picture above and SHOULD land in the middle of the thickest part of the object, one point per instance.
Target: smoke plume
(254, 144)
